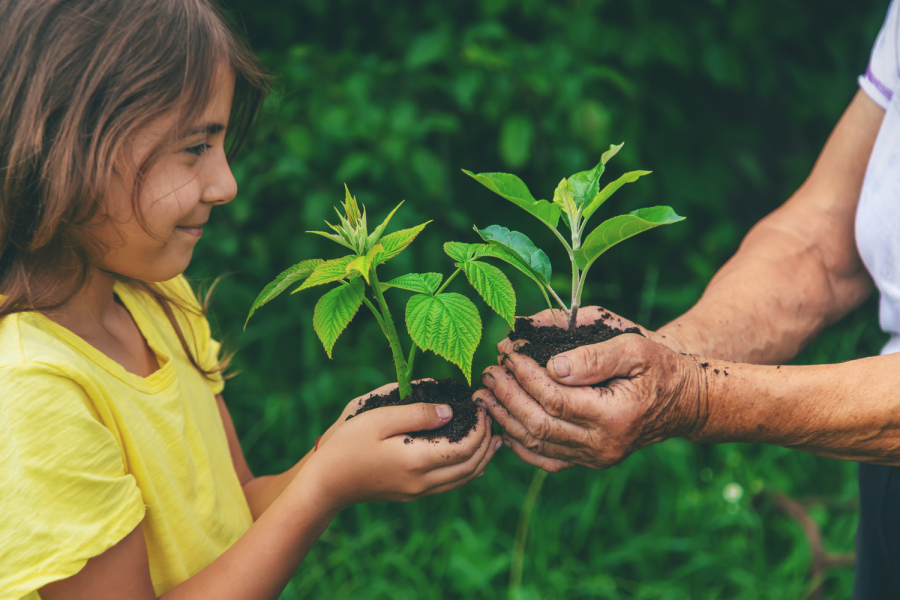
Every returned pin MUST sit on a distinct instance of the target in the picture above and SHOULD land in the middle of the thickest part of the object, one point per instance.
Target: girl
(120, 472)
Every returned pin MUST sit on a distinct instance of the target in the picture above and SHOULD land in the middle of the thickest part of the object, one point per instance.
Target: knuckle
(539, 427)
(554, 403)
(532, 443)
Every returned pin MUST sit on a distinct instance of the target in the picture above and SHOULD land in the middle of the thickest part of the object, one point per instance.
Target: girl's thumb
(395, 420)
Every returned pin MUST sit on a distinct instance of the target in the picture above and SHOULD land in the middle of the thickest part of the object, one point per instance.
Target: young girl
(120, 472)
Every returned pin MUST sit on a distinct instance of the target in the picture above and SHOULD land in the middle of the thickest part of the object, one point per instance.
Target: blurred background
(728, 102)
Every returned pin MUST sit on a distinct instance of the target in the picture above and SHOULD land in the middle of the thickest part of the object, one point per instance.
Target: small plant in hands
(446, 323)
(575, 200)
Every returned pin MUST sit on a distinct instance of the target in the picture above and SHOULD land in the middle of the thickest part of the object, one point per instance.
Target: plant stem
(449, 279)
(376, 313)
(518, 553)
(558, 299)
(411, 360)
(403, 376)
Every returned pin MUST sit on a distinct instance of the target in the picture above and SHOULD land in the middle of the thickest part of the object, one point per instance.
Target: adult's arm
(798, 270)
(629, 392)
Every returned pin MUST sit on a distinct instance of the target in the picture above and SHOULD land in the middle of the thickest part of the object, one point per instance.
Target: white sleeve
(882, 77)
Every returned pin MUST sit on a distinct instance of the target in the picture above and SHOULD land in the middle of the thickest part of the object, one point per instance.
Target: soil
(452, 392)
(546, 342)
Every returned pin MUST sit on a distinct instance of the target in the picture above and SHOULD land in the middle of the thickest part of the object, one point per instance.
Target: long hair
(77, 79)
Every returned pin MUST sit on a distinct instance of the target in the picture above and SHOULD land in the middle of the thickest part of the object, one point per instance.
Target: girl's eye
(198, 150)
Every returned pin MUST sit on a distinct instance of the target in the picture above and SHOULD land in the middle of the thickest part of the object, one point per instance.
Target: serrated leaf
(326, 272)
(494, 287)
(363, 264)
(376, 235)
(422, 283)
(514, 189)
(446, 324)
(522, 247)
(285, 279)
(612, 231)
(610, 189)
(395, 243)
(613, 150)
(459, 251)
(335, 310)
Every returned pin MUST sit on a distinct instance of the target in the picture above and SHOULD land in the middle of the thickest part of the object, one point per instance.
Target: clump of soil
(546, 342)
(452, 392)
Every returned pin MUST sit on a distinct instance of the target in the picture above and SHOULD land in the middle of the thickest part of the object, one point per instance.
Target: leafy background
(727, 101)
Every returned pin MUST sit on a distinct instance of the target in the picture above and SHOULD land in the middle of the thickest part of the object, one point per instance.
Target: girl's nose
(221, 186)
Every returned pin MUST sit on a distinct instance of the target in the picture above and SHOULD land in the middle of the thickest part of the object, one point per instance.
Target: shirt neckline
(157, 380)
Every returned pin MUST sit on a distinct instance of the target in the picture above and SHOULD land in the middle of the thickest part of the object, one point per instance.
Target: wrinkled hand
(594, 405)
(367, 459)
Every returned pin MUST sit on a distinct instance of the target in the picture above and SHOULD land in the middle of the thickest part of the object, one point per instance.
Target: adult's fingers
(551, 465)
(394, 420)
(523, 417)
(622, 356)
(561, 401)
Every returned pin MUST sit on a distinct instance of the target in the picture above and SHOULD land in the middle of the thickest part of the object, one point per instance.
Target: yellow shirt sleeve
(65, 491)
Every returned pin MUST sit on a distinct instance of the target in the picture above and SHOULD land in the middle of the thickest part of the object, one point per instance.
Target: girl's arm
(365, 460)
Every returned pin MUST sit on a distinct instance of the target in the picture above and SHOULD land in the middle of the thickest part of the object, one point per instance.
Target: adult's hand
(595, 405)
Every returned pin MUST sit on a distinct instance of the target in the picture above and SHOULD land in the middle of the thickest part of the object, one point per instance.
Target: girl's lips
(193, 231)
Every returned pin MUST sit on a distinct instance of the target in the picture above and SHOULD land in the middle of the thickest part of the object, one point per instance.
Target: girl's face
(177, 195)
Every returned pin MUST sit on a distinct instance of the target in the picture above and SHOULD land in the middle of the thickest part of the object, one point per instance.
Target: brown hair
(77, 79)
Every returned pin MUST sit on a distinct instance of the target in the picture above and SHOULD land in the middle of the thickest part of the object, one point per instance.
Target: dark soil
(452, 392)
(546, 342)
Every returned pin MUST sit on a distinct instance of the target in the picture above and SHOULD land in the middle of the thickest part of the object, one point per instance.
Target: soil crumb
(452, 392)
(546, 342)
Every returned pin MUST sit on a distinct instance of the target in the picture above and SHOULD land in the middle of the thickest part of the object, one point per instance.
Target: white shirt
(878, 215)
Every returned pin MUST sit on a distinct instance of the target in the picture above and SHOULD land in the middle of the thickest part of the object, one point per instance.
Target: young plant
(575, 200)
(444, 322)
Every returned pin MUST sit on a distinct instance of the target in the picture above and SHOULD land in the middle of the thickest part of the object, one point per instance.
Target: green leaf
(326, 272)
(363, 264)
(610, 189)
(335, 310)
(612, 231)
(490, 250)
(334, 237)
(584, 185)
(285, 279)
(522, 247)
(613, 150)
(514, 189)
(446, 324)
(376, 235)
(395, 243)
(423, 283)
(494, 287)
(459, 251)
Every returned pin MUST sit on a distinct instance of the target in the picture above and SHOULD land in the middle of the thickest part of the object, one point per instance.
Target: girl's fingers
(470, 473)
(434, 455)
(395, 420)
(444, 473)
(551, 465)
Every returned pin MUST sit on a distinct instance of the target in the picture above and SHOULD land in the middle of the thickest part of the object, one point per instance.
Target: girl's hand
(367, 459)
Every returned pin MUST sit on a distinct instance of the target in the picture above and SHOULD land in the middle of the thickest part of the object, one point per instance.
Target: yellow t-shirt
(88, 451)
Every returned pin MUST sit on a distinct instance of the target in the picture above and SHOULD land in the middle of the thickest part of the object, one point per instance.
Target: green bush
(727, 101)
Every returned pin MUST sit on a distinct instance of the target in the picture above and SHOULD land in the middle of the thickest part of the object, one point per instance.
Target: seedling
(446, 323)
(575, 200)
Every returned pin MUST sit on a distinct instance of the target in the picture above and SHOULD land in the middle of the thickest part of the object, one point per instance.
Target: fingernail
(444, 412)
(561, 366)
(497, 444)
(481, 474)
(488, 380)
(506, 441)
(482, 404)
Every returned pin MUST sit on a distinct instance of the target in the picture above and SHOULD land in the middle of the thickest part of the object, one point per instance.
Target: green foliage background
(727, 101)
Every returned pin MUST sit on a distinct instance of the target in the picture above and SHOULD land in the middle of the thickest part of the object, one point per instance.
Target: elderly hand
(594, 405)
